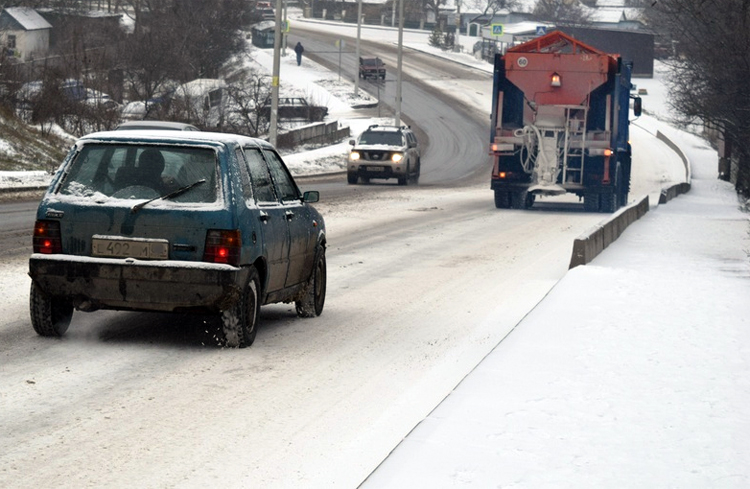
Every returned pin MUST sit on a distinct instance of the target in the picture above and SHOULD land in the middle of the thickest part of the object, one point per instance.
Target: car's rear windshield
(137, 172)
(388, 138)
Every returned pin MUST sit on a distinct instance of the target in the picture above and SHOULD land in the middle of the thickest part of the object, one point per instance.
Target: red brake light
(47, 237)
(223, 246)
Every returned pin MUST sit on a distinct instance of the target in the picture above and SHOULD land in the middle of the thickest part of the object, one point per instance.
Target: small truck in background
(371, 68)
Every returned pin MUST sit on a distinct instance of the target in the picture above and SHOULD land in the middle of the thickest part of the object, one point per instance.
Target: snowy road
(423, 283)
(419, 292)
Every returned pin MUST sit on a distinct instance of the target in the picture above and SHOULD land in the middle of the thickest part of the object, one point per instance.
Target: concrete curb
(10, 190)
(590, 244)
(587, 246)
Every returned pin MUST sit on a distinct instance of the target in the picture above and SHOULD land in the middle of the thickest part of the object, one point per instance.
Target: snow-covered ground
(632, 372)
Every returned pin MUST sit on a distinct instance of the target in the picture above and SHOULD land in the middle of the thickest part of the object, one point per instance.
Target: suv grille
(378, 155)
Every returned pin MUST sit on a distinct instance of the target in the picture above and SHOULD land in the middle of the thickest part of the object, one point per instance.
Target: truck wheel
(609, 199)
(50, 316)
(519, 199)
(613, 196)
(591, 202)
(312, 302)
(239, 323)
(351, 178)
(502, 199)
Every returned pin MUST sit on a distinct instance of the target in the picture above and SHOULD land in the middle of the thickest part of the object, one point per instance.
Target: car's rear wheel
(239, 323)
(314, 299)
(50, 316)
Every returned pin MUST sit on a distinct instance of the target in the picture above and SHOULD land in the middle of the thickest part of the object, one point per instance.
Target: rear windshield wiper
(170, 195)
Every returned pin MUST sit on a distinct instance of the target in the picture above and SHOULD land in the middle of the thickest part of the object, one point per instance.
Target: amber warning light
(556, 81)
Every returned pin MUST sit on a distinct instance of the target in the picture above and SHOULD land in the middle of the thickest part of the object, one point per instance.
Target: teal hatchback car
(175, 221)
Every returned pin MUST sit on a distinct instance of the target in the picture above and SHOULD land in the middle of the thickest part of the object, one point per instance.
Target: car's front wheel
(239, 323)
(351, 178)
(50, 316)
(314, 299)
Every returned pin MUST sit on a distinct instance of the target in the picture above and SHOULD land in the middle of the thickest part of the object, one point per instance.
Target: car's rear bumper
(128, 284)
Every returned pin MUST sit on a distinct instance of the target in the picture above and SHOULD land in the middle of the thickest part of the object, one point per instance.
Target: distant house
(24, 33)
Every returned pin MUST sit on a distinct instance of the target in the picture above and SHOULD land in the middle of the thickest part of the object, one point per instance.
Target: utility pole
(359, 32)
(275, 76)
(285, 29)
(456, 42)
(400, 59)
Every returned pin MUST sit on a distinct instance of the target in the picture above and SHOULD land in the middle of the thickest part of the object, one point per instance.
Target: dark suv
(384, 152)
(175, 221)
(371, 68)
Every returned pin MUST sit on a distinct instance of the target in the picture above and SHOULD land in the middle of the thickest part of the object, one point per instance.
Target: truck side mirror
(637, 106)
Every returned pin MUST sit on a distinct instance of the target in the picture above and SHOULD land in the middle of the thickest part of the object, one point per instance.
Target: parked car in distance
(296, 108)
(178, 221)
(371, 68)
(156, 126)
(384, 152)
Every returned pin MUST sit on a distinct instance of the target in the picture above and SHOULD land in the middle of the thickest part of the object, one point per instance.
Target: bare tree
(709, 76)
(490, 8)
(562, 12)
(245, 100)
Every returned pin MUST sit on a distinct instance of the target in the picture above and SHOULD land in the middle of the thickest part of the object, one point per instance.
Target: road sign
(541, 30)
(497, 29)
(285, 25)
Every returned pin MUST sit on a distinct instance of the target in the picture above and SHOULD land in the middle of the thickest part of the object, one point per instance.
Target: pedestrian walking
(299, 50)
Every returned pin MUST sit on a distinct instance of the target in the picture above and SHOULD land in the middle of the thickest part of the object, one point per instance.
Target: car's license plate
(376, 168)
(115, 247)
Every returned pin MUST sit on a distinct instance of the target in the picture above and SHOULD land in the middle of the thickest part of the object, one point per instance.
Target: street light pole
(275, 76)
(359, 31)
(400, 58)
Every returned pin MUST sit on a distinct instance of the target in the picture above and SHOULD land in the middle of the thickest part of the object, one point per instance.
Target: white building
(24, 33)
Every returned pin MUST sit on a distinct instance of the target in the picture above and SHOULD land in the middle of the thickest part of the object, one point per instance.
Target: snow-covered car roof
(167, 136)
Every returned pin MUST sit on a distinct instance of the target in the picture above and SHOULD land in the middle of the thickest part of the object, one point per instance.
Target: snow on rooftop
(28, 18)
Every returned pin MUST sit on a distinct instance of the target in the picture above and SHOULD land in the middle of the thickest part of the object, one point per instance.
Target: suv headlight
(354, 155)
(396, 157)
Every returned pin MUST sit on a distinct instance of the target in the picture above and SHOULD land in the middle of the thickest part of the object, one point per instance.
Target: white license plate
(152, 249)
(376, 168)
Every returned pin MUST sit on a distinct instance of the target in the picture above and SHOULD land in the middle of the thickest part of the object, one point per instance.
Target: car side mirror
(637, 106)
(311, 196)
(351, 142)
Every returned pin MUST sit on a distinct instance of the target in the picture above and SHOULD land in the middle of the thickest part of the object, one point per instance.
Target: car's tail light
(223, 246)
(47, 237)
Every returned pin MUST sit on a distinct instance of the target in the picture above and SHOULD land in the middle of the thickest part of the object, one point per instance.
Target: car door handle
(289, 215)
(264, 216)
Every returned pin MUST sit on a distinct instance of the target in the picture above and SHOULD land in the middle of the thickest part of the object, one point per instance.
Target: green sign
(497, 29)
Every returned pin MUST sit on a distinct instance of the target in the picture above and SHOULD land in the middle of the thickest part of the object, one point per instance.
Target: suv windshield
(141, 172)
(387, 138)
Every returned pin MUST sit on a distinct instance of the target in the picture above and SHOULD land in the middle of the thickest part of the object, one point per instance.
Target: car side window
(262, 183)
(285, 187)
(247, 190)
